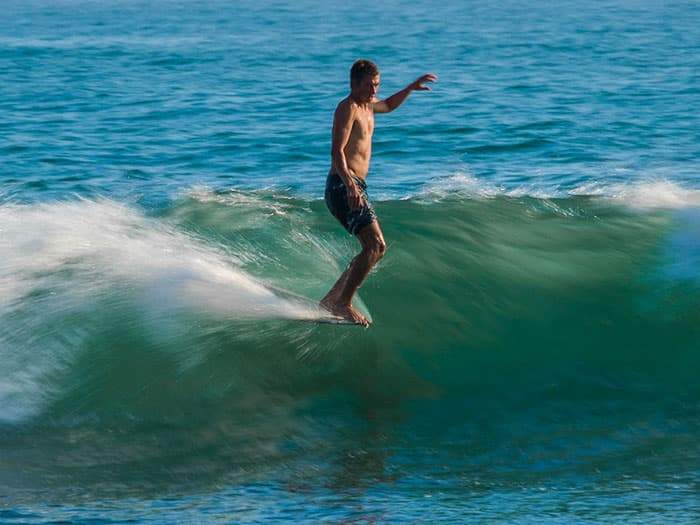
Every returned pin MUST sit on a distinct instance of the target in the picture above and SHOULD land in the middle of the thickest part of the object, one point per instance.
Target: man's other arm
(342, 126)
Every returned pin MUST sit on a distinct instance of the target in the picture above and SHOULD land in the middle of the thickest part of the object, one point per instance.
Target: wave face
(150, 344)
(472, 291)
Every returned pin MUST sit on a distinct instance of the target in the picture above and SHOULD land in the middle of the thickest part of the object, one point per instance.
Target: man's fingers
(422, 80)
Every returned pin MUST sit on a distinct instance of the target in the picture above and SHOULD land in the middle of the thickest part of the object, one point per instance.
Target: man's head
(364, 80)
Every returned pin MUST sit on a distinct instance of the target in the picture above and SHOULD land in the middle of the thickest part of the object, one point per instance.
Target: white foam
(461, 184)
(60, 258)
(233, 197)
(640, 194)
(649, 194)
(121, 245)
(465, 184)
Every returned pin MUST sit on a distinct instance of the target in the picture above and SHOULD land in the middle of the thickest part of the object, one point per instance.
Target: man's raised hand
(417, 85)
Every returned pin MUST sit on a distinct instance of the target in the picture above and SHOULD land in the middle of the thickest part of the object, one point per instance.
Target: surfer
(346, 189)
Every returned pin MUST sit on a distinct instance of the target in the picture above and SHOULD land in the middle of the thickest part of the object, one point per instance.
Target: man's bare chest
(363, 128)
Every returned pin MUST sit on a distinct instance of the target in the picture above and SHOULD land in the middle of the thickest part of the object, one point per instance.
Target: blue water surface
(145, 98)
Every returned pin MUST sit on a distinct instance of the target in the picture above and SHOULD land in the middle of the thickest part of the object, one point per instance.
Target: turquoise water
(534, 352)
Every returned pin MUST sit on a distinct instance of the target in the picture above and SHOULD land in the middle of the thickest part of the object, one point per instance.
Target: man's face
(367, 88)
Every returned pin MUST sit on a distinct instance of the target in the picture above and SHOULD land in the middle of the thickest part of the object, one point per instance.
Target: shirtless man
(346, 190)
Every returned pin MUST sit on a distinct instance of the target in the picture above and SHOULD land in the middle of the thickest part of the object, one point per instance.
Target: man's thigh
(371, 235)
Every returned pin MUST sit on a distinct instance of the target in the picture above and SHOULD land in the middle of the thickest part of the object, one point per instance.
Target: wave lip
(462, 184)
(643, 194)
(652, 194)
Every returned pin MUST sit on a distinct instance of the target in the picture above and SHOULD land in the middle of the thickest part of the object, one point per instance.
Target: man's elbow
(388, 107)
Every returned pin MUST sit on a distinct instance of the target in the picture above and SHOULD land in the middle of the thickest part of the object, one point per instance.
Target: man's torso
(358, 150)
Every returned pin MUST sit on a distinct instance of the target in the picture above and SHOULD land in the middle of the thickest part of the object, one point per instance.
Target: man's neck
(357, 101)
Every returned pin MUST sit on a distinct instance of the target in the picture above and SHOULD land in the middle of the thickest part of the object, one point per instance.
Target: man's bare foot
(346, 311)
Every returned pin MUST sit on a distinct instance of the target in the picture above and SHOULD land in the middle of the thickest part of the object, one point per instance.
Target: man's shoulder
(346, 103)
(346, 107)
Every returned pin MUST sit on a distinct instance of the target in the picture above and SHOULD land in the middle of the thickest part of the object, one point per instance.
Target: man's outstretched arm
(395, 100)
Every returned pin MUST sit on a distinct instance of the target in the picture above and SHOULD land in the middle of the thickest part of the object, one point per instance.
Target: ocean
(535, 346)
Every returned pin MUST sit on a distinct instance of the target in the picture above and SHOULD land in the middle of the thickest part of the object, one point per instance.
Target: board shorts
(337, 201)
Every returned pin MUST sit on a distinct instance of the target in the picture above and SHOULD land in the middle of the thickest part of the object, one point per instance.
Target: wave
(107, 311)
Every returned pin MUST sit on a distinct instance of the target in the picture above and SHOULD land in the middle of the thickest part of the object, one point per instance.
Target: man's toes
(359, 318)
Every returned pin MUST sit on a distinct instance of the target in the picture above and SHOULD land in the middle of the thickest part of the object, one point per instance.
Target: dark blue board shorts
(337, 201)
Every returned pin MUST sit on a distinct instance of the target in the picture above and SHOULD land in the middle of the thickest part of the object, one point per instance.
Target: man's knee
(376, 248)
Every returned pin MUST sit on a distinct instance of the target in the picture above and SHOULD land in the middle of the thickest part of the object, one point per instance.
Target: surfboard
(330, 320)
(324, 316)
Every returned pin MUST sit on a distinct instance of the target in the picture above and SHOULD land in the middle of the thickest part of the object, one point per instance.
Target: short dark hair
(362, 68)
